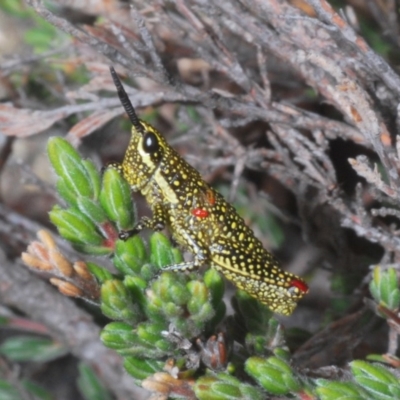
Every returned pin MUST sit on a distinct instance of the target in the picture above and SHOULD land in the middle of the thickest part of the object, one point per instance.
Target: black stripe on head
(126, 103)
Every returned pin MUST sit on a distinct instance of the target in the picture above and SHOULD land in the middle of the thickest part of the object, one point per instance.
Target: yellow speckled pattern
(201, 220)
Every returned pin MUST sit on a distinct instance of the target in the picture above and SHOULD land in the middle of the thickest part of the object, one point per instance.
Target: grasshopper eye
(150, 142)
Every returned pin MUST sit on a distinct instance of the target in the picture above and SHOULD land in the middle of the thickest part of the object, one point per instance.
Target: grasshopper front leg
(156, 223)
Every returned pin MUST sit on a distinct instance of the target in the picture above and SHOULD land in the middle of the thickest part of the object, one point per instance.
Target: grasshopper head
(147, 146)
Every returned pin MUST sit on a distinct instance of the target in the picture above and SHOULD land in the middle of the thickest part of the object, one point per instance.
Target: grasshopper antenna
(126, 103)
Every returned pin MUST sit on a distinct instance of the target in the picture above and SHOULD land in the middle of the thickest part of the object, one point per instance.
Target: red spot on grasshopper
(200, 212)
(299, 284)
